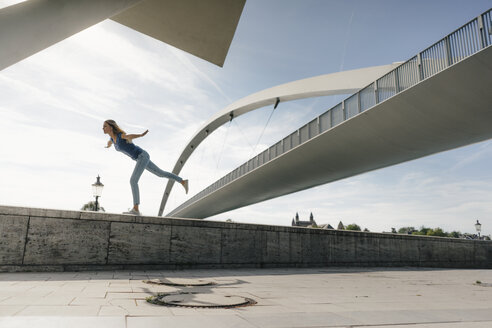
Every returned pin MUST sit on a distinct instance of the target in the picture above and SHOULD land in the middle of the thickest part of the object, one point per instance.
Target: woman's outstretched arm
(130, 137)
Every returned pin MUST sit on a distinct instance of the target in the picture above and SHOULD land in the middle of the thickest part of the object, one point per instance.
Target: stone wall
(51, 240)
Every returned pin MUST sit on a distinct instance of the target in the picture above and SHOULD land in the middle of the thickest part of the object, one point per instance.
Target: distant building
(298, 223)
(340, 226)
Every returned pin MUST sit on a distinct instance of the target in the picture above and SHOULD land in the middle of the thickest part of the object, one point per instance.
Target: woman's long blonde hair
(115, 127)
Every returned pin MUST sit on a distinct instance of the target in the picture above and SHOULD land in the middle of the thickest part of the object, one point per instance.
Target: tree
(422, 232)
(406, 230)
(455, 234)
(91, 206)
(340, 226)
(353, 227)
(436, 232)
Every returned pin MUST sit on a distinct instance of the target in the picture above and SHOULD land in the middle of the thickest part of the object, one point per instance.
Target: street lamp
(478, 226)
(97, 189)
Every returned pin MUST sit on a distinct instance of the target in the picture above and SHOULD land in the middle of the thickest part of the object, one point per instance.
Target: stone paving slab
(300, 319)
(59, 310)
(59, 322)
(112, 311)
(224, 321)
(484, 324)
(293, 298)
(10, 310)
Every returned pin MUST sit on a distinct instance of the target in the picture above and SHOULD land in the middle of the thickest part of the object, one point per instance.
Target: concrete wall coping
(114, 217)
(37, 239)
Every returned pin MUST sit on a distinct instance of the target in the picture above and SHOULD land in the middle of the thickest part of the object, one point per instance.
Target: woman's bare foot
(184, 183)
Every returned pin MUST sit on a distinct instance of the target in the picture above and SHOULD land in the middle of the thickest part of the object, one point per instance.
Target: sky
(53, 105)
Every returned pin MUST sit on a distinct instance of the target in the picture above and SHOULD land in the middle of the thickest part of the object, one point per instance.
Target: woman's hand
(146, 131)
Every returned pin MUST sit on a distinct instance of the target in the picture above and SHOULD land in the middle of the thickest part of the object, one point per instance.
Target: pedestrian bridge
(438, 100)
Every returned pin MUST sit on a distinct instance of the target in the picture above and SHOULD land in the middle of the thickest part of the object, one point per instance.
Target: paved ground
(328, 297)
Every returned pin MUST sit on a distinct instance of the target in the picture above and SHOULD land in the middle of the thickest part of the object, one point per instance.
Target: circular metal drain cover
(200, 300)
(180, 282)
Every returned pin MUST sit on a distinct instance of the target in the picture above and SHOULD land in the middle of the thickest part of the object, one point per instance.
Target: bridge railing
(462, 43)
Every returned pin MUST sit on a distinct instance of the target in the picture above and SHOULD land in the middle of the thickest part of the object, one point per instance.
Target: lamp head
(478, 226)
(97, 187)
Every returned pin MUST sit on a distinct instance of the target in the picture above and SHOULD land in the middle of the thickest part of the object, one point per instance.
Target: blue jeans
(144, 162)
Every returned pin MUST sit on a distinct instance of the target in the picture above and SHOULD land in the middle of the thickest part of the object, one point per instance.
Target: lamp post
(478, 226)
(97, 188)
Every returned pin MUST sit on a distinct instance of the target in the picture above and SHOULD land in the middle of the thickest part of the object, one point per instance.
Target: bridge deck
(448, 110)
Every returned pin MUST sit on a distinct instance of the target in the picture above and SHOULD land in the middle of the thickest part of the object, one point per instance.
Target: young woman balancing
(123, 143)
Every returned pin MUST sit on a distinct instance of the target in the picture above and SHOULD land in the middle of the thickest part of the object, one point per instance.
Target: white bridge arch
(346, 82)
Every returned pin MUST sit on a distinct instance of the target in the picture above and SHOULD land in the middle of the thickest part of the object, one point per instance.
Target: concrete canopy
(202, 28)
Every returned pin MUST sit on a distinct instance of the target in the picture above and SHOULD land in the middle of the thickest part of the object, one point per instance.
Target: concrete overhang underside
(204, 28)
(448, 110)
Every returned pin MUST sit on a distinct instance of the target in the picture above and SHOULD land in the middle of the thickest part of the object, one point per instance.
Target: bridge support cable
(223, 144)
(266, 124)
(243, 134)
